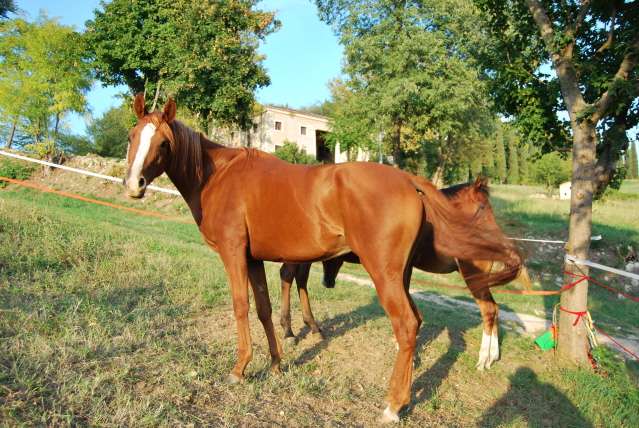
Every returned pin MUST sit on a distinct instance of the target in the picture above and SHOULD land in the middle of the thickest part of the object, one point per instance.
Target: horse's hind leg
(257, 278)
(391, 287)
(301, 278)
(287, 274)
(489, 349)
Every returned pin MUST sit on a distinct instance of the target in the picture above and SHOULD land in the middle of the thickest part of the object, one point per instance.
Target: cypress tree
(500, 160)
(513, 162)
(523, 164)
(633, 168)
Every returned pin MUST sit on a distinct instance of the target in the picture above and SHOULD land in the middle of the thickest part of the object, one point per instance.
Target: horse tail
(459, 236)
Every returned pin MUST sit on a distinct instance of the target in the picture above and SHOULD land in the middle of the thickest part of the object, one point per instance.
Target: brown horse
(241, 202)
(471, 197)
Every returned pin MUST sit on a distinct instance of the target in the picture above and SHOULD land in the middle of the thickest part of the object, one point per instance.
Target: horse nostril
(142, 182)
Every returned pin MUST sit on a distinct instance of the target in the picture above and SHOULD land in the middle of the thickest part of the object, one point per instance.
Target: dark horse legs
(299, 273)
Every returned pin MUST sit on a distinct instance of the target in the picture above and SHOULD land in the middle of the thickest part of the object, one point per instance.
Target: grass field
(118, 320)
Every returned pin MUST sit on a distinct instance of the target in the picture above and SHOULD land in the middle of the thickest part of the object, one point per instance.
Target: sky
(301, 58)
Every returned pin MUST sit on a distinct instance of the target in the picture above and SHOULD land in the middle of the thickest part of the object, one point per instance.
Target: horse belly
(296, 229)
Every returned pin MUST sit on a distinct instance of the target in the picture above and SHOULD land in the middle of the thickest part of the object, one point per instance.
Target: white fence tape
(546, 241)
(601, 267)
(84, 172)
(537, 240)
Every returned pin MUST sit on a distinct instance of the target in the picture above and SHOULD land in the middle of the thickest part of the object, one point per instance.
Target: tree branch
(583, 10)
(611, 33)
(608, 98)
(562, 63)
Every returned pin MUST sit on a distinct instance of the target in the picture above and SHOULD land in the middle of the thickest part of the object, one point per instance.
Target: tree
(524, 172)
(202, 53)
(44, 74)
(411, 80)
(513, 162)
(110, 132)
(6, 7)
(290, 152)
(632, 161)
(593, 48)
(501, 172)
(551, 170)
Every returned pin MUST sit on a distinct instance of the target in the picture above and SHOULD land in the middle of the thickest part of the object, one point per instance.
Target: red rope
(579, 314)
(619, 345)
(602, 285)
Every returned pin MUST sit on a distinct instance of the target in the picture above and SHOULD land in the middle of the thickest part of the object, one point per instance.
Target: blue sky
(301, 58)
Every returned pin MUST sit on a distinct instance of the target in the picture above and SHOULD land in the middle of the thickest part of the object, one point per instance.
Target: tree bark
(157, 94)
(12, 133)
(57, 124)
(573, 342)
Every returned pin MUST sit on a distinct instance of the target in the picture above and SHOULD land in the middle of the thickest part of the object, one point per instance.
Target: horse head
(150, 144)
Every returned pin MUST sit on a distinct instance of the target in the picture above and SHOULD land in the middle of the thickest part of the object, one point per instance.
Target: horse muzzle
(135, 189)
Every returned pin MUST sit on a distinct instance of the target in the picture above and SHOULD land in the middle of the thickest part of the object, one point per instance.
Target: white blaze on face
(143, 149)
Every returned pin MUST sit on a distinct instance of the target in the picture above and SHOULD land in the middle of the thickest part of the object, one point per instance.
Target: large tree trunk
(12, 133)
(573, 342)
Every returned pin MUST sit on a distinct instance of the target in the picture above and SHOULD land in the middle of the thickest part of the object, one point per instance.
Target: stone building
(277, 125)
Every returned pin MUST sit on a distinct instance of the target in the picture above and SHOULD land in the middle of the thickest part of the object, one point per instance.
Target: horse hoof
(275, 369)
(389, 417)
(233, 379)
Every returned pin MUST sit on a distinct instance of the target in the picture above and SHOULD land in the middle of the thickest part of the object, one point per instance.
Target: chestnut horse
(241, 201)
(472, 197)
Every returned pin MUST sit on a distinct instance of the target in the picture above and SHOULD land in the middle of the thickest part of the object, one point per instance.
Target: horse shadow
(536, 402)
(438, 320)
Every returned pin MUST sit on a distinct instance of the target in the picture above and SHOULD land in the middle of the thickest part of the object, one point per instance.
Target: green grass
(111, 319)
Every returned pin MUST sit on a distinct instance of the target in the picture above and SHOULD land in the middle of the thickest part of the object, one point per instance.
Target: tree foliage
(110, 132)
(593, 48)
(410, 81)
(7, 7)
(44, 74)
(551, 170)
(203, 53)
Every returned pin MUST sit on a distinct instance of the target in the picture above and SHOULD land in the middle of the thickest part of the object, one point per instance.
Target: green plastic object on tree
(547, 340)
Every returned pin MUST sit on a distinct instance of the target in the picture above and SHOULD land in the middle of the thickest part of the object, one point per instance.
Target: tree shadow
(537, 403)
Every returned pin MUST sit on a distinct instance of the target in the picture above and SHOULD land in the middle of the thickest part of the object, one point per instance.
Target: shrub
(551, 170)
(15, 169)
(290, 152)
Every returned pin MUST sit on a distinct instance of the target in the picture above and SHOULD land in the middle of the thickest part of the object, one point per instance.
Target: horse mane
(470, 191)
(186, 147)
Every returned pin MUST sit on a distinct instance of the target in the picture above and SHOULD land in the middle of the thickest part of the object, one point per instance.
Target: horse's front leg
(235, 263)
(257, 278)
(489, 349)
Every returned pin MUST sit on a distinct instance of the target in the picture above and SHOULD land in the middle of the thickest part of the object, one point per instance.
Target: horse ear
(169, 111)
(481, 183)
(139, 107)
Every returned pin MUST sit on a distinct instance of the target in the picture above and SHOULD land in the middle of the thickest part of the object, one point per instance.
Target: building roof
(296, 112)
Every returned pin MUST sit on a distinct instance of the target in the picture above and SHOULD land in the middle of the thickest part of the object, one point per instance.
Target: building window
(278, 126)
(303, 130)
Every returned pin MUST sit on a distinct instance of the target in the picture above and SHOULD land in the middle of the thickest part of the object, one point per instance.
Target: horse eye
(164, 144)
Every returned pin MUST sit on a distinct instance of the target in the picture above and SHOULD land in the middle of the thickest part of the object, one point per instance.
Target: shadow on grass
(537, 403)
(437, 320)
